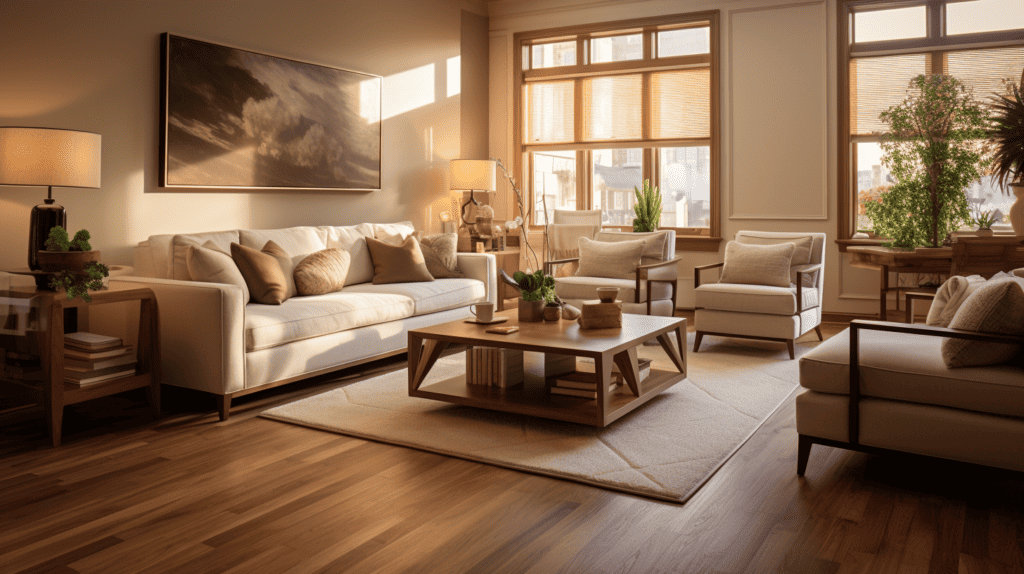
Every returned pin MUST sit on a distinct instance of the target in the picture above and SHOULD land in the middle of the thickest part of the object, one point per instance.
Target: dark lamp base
(44, 218)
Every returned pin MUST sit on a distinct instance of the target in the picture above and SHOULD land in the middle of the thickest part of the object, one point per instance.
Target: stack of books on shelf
(22, 367)
(583, 383)
(91, 359)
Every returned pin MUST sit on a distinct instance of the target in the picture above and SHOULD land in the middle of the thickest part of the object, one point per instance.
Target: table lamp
(473, 175)
(52, 158)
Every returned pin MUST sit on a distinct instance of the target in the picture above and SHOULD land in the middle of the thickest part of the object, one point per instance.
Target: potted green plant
(1006, 135)
(983, 220)
(535, 291)
(931, 151)
(74, 262)
(647, 208)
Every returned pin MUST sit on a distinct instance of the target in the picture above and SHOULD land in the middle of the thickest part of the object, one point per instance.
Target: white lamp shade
(473, 174)
(50, 157)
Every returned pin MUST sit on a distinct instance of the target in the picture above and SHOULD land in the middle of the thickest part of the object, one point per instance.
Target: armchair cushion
(655, 251)
(585, 288)
(615, 260)
(802, 252)
(757, 264)
(742, 298)
(996, 307)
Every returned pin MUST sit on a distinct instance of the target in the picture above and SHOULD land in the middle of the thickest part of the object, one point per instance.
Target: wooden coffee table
(605, 346)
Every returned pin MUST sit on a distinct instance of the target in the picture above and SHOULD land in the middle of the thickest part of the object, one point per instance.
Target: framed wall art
(233, 118)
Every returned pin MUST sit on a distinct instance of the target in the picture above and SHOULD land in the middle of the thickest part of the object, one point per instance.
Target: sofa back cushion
(221, 240)
(995, 307)
(297, 242)
(352, 238)
(208, 264)
(402, 228)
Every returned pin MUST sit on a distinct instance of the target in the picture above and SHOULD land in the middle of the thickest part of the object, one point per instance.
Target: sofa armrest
(482, 267)
(202, 333)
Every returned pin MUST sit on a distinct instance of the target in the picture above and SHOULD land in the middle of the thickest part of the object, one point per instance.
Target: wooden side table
(52, 392)
(509, 261)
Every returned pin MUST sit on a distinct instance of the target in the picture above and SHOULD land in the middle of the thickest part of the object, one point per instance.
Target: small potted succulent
(647, 208)
(74, 263)
(983, 220)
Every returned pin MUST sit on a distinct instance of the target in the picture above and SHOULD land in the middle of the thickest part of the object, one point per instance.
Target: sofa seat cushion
(431, 296)
(301, 318)
(753, 298)
(585, 288)
(910, 368)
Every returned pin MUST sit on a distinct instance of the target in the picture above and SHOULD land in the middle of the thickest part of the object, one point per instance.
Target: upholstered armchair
(772, 313)
(649, 290)
(564, 232)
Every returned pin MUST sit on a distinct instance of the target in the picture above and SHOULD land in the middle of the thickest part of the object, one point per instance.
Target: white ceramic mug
(484, 311)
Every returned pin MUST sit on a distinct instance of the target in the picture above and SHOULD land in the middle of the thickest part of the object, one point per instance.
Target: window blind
(876, 84)
(548, 114)
(681, 104)
(611, 107)
(985, 70)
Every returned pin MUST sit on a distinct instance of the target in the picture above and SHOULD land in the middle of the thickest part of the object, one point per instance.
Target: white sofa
(210, 341)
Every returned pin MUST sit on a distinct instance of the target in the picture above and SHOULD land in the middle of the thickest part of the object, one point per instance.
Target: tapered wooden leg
(696, 341)
(626, 361)
(224, 403)
(792, 348)
(803, 453)
(672, 352)
(54, 420)
(818, 331)
(424, 360)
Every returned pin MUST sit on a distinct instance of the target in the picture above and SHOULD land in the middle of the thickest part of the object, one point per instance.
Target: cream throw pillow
(757, 264)
(208, 264)
(801, 255)
(398, 263)
(654, 251)
(995, 307)
(322, 272)
(950, 296)
(439, 253)
(610, 259)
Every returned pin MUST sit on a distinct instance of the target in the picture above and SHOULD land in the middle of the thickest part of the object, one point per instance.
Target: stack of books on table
(583, 383)
(22, 366)
(91, 358)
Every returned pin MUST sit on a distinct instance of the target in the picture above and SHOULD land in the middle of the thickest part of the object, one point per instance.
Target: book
(100, 375)
(574, 393)
(77, 365)
(94, 355)
(587, 365)
(580, 385)
(90, 341)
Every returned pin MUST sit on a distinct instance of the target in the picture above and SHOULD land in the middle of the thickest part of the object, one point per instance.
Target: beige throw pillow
(995, 307)
(208, 264)
(801, 255)
(654, 250)
(262, 272)
(950, 297)
(757, 264)
(613, 260)
(439, 253)
(398, 263)
(322, 272)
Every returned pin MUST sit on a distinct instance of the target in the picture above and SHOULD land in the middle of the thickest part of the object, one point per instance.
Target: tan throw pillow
(398, 263)
(654, 251)
(287, 263)
(208, 264)
(950, 297)
(801, 255)
(439, 253)
(322, 272)
(613, 260)
(757, 264)
(995, 307)
(262, 272)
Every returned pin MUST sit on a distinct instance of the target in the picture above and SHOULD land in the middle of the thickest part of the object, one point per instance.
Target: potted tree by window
(932, 151)
(1006, 134)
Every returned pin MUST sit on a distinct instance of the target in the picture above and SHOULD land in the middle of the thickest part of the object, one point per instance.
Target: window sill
(844, 243)
(697, 243)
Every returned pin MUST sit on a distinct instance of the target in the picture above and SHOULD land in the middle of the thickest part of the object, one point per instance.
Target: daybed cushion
(301, 318)
(753, 298)
(910, 368)
(585, 288)
(430, 297)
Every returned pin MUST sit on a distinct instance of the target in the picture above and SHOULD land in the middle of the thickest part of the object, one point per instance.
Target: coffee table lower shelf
(535, 399)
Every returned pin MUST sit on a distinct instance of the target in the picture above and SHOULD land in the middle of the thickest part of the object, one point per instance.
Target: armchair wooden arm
(699, 268)
(549, 266)
(860, 324)
(916, 296)
(641, 275)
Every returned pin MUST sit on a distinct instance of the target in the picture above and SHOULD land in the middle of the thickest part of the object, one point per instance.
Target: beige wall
(95, 66)
(778, 107)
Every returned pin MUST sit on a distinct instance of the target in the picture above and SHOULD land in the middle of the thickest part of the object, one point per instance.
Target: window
(890, 46)
(640, 106)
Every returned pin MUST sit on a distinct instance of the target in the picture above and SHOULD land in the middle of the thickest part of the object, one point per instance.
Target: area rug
(666, 449)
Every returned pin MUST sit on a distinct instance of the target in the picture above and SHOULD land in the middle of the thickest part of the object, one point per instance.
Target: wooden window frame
(688, 238)
(936, 42)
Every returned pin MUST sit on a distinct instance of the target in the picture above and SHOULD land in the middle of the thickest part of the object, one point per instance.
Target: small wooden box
(598, 315)
(495, 367)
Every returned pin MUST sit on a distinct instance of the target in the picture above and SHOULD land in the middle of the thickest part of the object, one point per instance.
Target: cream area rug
(666, 449)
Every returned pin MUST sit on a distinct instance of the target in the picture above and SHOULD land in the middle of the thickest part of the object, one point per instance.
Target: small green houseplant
(932, 153)
(1006, 135)
(647, 208)
(535, 290)
(983, 221)
(73, 261)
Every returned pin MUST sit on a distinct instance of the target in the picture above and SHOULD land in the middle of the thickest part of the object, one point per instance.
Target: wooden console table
(42, 331)
(921, 260)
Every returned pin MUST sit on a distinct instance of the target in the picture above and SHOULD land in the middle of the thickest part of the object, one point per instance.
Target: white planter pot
(1017, 210)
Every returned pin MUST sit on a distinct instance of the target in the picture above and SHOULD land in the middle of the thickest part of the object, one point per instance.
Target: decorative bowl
(607, 294)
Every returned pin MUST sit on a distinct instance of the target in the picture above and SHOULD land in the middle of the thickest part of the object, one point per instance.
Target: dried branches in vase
(522, 220)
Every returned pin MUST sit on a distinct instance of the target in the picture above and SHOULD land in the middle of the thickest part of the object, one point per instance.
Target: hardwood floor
(190, 494)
